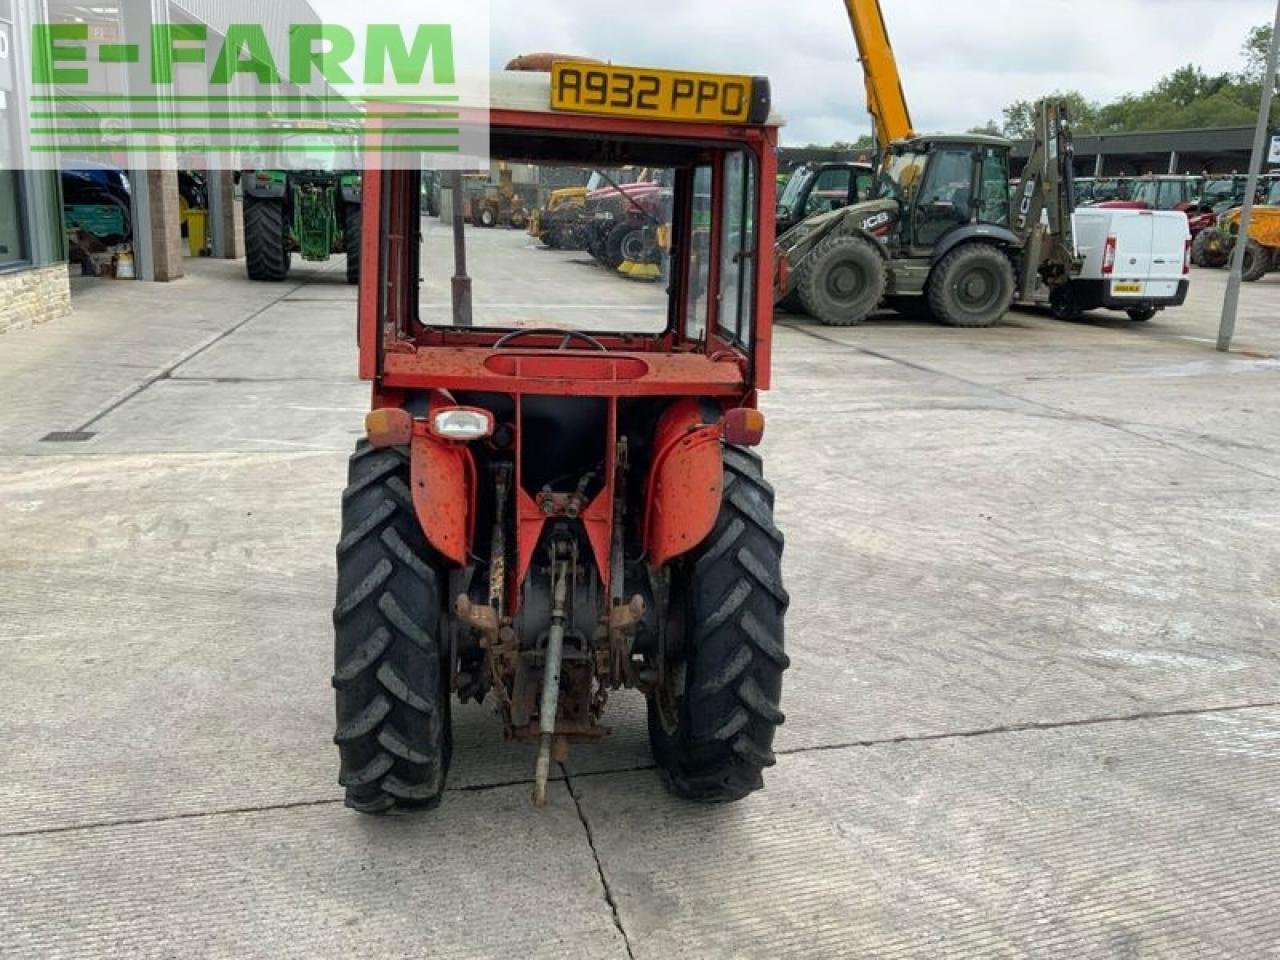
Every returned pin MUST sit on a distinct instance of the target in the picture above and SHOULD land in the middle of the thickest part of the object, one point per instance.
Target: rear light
(743, 427)
(1186, 257)
(391, 427)
(462, 423)
(1109, 257)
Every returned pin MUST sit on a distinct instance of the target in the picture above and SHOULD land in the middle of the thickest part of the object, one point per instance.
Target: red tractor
(541, 515)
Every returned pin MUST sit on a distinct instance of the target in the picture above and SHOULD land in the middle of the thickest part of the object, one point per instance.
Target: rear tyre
(791, 303)
(391, 658)
(712, 734)
(973, 286)
(351, 239)
(1207, 250)
(844, 280)
(1142, 314)
(1257, 261)
(487, 218)
(623, 240)
(266, 250)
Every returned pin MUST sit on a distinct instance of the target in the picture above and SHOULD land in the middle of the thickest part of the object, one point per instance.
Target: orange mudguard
(686, 483)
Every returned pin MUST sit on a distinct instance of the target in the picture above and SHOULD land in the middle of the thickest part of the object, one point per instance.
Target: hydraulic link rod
(885, 98)
(551, 684)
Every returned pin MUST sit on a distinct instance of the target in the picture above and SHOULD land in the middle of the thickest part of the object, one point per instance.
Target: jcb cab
(561, 501)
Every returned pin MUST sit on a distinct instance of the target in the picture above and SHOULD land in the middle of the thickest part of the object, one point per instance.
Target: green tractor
(314, 212)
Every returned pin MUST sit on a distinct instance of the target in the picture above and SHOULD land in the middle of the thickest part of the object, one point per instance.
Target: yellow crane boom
(885, 99)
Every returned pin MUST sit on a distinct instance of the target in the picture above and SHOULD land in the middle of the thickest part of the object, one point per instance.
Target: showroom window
(12, 229)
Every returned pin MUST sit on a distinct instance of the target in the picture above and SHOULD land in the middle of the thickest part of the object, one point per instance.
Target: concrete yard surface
(1034, 702)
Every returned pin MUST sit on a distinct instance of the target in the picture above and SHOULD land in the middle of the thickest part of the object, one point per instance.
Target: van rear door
(1134, 233)
(1170, 235)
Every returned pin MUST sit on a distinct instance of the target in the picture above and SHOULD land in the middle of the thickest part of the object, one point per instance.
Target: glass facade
(14, 245)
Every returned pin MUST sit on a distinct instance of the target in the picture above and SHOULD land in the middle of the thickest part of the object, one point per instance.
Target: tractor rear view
(544, 514)
(314, 213)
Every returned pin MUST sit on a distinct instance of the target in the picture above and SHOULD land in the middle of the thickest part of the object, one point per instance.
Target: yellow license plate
(658, 94)
(1128, 288)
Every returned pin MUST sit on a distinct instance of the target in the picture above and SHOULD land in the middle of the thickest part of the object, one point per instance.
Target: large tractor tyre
(1257, 262)
(392, 670)
(486, 217)
(1208, 251)
(844, 281)
(597, 239)
(712, 729)
(790, 303)
(623, 240)
(351, 236)
(973, 286)
(266, 249)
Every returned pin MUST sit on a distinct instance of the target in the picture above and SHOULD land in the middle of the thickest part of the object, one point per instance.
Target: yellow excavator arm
(885, 99)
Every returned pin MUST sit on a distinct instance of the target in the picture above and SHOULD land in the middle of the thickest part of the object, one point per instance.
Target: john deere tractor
(314, 212)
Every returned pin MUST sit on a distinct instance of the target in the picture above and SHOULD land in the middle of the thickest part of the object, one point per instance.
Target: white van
(1138, 261)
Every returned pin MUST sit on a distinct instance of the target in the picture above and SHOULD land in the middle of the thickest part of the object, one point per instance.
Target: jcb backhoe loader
(940, 235)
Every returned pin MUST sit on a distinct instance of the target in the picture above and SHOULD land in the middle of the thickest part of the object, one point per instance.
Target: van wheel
(1063, 303)
(973, 286)
(1257, 261)
(1142, 314)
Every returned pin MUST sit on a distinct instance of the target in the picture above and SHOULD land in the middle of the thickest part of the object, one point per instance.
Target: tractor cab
(822, 187)
(933, 186)
(557, 497)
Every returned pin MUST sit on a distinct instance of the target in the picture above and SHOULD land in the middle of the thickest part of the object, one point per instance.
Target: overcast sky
(961, 62)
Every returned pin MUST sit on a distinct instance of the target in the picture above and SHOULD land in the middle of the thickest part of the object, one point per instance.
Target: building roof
(1208, 140)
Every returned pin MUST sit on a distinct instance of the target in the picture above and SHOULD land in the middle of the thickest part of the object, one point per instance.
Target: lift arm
(1045, 201)
(885, 99)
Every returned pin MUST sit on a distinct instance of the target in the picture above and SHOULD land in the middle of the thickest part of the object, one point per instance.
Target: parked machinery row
(1213, 247)
(620, 216)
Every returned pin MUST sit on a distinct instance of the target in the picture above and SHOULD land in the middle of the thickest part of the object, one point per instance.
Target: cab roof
(965, 139)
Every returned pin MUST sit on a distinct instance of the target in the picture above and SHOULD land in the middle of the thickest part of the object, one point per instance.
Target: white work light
(462, 423)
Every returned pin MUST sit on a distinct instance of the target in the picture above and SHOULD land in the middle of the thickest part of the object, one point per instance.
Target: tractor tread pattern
(351, 241)
(812, 288)
(265, 255)
(943, 281)
(732, 704)
(390, 673)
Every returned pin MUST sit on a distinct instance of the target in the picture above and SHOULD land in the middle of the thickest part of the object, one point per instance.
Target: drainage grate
(70, 436)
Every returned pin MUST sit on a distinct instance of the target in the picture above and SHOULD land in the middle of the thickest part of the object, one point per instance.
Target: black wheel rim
(633, 246)
(978, 289)
(846, 281)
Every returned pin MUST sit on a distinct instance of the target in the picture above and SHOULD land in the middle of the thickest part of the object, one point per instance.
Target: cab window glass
(737, 249)
(830, 191)
(994, 205)
(699, 262)
(946, 198)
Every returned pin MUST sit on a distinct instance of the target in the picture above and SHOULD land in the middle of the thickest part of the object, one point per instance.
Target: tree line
(1186, 99)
